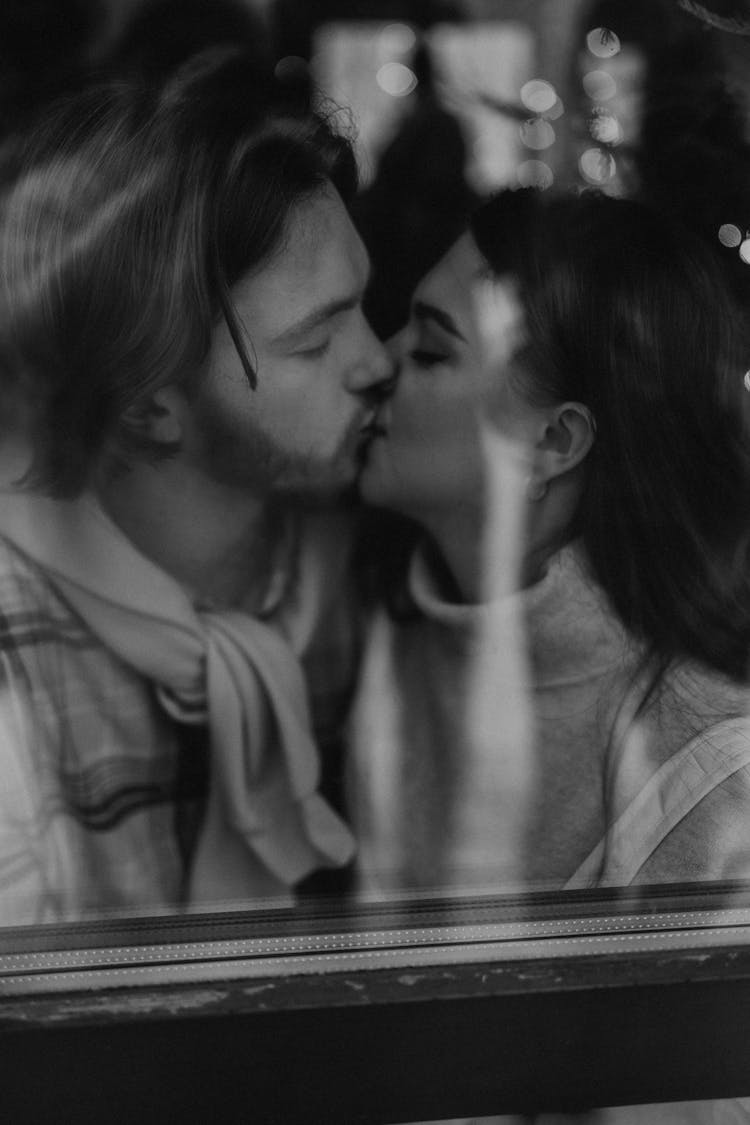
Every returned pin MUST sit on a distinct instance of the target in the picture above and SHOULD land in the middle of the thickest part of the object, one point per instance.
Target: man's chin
(369, 486)
(319, 489)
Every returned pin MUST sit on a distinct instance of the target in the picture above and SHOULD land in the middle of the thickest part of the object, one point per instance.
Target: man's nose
(375, 367)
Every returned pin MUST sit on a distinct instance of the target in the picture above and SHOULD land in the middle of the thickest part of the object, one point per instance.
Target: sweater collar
(570, 628)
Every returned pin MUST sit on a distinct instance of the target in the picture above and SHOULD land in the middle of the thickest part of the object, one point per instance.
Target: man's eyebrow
(297, 331)
(422, 310)
(314, 318)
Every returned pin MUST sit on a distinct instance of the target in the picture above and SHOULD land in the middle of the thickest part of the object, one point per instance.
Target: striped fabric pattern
(92, 790)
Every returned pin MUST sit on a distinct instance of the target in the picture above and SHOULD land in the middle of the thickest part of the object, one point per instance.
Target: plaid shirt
(100, 791)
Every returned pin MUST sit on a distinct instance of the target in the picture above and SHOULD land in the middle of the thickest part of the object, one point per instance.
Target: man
(182, 294)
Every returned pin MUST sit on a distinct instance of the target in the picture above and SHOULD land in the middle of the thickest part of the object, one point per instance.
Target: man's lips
(369, 431)
(373, 427)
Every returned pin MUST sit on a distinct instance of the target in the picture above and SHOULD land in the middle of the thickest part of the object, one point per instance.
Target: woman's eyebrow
(422, 310)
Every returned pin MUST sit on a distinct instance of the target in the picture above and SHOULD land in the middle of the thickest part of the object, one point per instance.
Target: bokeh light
(745, 251)
(747, 380)
(605, 129)
(535, 174)
(730, 235)
(599, 85)
(597, 165)
(538, 96)
(537, 133)
(397, 39)
(396, 79)
(291, 67)
(557, 110)
(602, 42)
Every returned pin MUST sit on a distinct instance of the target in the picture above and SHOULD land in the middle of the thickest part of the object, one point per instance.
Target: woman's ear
(159, 417)
(569, 432)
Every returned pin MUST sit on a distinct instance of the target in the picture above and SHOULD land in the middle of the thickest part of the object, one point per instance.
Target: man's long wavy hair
(125, 220)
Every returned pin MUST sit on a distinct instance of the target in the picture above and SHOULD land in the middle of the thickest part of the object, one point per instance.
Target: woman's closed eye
(423, 357)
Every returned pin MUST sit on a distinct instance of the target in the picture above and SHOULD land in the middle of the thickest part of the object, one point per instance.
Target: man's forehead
(320, 260)
(318, 230)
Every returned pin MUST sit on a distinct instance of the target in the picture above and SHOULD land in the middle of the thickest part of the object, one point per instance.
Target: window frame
(477, 1032)
(395, 1043)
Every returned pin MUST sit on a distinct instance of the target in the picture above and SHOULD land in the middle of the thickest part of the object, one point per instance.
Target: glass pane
(438, 648)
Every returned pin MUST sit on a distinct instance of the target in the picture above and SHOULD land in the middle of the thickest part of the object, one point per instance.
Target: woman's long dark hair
(626, 313)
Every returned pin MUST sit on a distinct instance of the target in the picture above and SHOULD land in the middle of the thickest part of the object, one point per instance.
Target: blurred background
(453, 98)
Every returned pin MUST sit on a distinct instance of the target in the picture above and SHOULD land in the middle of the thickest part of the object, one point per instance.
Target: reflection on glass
(602, 42)
(730, 235)
(535, 173)
(398, 38)
(537, 133)
(396, 79)
(599, 85)
(526, 711)
(605, 129)
(597, 165)
(538, 96)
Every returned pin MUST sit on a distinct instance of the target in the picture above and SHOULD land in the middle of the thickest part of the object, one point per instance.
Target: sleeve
(32, 858)
(712, 840)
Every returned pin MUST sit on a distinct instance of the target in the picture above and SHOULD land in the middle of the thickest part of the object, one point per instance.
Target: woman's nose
(374, 368)
(396, 345)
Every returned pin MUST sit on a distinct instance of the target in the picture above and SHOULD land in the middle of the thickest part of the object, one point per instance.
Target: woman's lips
(376, 426)
(382, 420)
(369, 432)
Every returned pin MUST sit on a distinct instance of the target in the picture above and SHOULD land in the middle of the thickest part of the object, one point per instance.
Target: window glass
(474, 667)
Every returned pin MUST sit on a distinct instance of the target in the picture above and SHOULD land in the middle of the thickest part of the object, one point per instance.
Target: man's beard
(254, 462)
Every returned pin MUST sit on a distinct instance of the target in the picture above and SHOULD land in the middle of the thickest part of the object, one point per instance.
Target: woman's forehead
(456, 270)
(446, 289)
(487, 308)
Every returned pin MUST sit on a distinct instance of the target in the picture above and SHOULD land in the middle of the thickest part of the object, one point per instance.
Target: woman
(588, 726)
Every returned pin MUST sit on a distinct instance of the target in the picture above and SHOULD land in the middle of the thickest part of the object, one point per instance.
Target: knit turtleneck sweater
(542, 777)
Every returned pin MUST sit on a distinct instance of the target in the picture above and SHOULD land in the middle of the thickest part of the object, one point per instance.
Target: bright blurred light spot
(537, 133)
(597, 166)
(747, 380)
(602, 42)
(730, 235)
(557, 110)
(535, 173)
(538, 96)
(397, 39)
(599, 85)
(290, 67)
(605, 129)
(745, 251)
(396, 79)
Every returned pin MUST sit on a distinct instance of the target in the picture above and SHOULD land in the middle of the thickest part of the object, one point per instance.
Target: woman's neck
(457, 537)
(461, 541)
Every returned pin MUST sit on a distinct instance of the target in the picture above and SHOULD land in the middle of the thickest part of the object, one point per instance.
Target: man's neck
(216, 542)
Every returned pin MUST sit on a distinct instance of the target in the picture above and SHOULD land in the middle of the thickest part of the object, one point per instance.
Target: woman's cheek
(409, 409)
